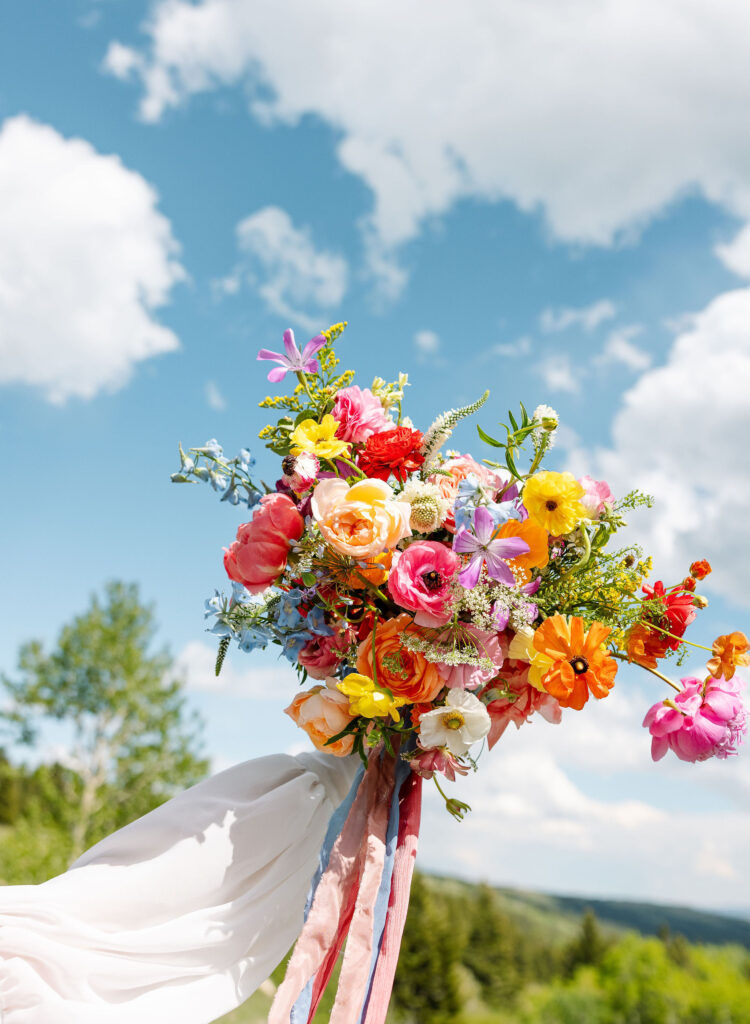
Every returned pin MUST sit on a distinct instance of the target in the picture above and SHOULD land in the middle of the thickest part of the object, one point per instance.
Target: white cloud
(598, 115)
(427, 342)
(196, 665)
(557, 373)
(512, 350)
(214, 396)
(586, 317)
(619, 348)
(296, 280)
(85, 259)
(681, 434)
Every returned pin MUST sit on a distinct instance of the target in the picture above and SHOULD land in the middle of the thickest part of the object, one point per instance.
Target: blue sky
(489, 210)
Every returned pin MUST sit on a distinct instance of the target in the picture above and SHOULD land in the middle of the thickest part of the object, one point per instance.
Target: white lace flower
(462, 721)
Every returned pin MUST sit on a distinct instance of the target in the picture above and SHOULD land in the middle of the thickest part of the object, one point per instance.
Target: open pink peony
(707, 719)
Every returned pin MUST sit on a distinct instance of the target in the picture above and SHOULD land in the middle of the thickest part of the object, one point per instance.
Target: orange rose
(323, 712)
(405, 673)
(361, 521)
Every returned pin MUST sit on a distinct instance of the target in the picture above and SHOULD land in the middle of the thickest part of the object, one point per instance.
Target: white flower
(428, 507)
(462, 721)
(546, 416)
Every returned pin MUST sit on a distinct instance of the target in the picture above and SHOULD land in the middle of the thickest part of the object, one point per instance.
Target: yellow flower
(368, 699)
(552, 500)
(522, 649)
(319, 438)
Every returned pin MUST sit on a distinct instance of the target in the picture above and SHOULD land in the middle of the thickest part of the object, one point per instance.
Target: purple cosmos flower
(294, 360)
(486, 551)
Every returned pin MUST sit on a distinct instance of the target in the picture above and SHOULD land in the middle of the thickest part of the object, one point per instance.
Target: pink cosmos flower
(322, 654)
(598, 497)
(360, 414)
(293, 360)
(514, 676)
(438, 759)
(420, 581)
(706, 719)
(469, 677)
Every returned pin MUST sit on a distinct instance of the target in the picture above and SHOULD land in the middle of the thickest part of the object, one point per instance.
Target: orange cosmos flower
(538, 540)
(580, 662)
(729, 653)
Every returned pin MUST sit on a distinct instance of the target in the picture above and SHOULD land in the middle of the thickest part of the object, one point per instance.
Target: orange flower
(375, 572)
(538, 540)
(700, 569)
(645, 645)
(405, 673)
(323, 712)
(580, 662)
(729, 653)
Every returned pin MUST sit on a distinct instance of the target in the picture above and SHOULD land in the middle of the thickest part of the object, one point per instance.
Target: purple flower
(294, 360)
(486, 551)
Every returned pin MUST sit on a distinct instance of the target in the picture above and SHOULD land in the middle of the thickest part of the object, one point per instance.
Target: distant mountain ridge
(560, 915)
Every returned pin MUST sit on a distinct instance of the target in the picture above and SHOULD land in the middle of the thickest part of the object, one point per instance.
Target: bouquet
(431, 599)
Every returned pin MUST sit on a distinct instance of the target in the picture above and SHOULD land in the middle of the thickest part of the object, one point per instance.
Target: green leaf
(512, 420)
(489, 440)
(309, 579)
(511, 464)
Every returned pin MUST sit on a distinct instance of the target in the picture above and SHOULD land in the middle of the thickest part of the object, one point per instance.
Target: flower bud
(699, 601)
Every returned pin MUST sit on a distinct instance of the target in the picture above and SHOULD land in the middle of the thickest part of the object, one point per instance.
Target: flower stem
(302, 378)
(653, 671)
(682, 640)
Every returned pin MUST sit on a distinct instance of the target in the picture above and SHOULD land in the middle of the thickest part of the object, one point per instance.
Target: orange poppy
(729, 652)
(538, 540)
(580, 662)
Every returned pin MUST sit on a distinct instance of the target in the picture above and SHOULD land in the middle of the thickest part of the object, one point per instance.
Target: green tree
(133, 743)
(425, 989)
(589, 946)
(491, 952)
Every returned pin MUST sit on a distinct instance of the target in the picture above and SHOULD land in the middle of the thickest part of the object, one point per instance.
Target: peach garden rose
(361, 521)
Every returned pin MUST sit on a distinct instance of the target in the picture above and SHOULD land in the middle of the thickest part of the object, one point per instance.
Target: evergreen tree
(132, 743)
(491, 952)
(588, 947)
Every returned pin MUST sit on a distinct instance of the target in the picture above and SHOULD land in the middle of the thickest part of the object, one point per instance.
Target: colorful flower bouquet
(434, 599)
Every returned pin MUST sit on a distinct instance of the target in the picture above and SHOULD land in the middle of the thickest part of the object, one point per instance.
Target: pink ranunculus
(360, 414)
(598, 497)
(706, 719)
(321, 654)
(260, 552)
(514, 676)
(437, 759)
(470, 677)
(420, 581)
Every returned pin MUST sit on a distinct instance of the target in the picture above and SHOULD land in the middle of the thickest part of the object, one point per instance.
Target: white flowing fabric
(178, 917)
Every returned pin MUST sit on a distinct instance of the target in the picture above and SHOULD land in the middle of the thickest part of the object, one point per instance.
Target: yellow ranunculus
(553, 501)
(319, 438)
(368, 699)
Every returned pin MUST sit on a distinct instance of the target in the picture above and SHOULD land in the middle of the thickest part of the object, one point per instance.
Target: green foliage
(132, 742)
(589, 946)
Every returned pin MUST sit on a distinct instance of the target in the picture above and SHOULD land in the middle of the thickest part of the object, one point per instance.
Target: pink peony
(260, 552)
(469, 677)
(420, 581)
(360, 414)
(514, 677)
(598, 497)
(321, 654)
(437, 759)
(706, 719)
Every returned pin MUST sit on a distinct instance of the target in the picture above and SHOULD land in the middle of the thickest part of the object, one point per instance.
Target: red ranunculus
(392, 451)
(671, 611)
(260, 552)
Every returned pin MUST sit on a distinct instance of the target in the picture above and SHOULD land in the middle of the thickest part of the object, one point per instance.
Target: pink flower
(420, 581)
(459, 468)
(259, 553)
(438, 759)
(469, 677)
(321, 654)
(291, 359)
(704, 720)
(301, 471)
(598, 497)
(360, 414)
(514, 677)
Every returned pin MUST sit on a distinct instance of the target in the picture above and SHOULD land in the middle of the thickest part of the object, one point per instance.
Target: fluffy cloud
(294, 278)
(85, 259)
(556, 104)
(557, 373)
(619, 348)
(196, 665)
(587, 317)
(214, 397)
(537, 821)
(427, 342)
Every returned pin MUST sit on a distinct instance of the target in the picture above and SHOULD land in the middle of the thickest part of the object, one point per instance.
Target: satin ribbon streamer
(361, 890)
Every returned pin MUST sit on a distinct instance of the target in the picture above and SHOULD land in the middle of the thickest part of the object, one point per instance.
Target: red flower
(392, 451)
(671, 611)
